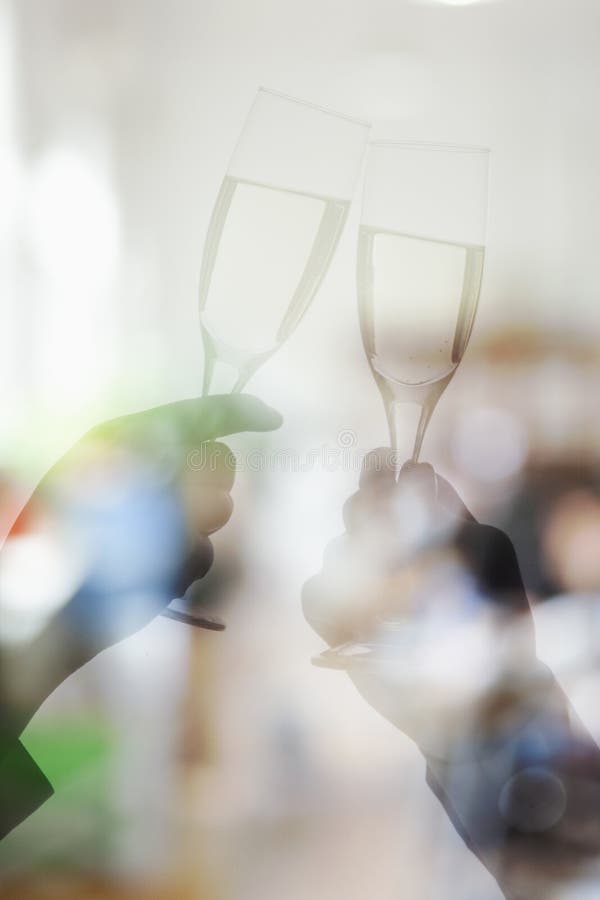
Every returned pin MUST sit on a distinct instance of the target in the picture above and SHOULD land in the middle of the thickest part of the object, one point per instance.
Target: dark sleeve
(23, 787)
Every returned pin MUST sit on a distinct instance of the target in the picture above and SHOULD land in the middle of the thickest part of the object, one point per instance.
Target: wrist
(501, 716)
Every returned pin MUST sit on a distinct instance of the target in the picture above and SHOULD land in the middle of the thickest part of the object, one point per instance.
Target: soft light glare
(74, 221)
(38, 575)
(489, 444)
(74, 232)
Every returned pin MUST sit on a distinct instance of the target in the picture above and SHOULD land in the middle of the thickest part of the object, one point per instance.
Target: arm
(515, 771)
(140, 513)
(527, 803)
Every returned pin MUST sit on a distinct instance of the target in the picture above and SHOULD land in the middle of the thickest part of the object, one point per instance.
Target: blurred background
(197, 765)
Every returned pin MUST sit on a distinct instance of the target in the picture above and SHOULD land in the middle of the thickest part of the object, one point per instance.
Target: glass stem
(426, 411)
(223, 377)
(404, 420)
(209, 368)
(395, 423)
(242, 380)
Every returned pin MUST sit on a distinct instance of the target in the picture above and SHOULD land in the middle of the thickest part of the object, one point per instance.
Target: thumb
(224, 414)
(451, 501)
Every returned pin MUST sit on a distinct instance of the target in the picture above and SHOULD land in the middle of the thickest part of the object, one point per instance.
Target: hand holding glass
(273, 231)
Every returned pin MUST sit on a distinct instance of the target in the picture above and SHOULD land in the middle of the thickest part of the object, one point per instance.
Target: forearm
(527, 802)
(30, 672)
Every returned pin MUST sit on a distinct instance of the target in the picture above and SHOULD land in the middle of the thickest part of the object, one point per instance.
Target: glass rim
(429, 145)
(322, 109)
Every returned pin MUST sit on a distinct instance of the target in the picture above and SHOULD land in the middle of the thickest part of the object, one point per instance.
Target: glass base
(211, 623)
(346, 656)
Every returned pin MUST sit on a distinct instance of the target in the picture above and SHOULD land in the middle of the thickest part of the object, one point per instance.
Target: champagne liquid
(265, 254)
(417, 303)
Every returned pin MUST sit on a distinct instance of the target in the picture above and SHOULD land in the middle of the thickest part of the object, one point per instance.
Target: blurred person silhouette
(425, 608)
(554, 520)
(130, 507)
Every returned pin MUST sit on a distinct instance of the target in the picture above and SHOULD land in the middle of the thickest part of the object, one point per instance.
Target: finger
(317, 610)
(213, 464)
(367, 509)
(212, 509)
(338, 551)
(337, 601)
(193, 594)
(352, 512)
(378, 468)
(196, 565)
(418, 476)
(415, 493)
(451, 501)
(219, 415)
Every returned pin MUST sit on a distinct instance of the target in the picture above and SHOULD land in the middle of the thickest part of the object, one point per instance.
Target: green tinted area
(76, 828)
(64, 749)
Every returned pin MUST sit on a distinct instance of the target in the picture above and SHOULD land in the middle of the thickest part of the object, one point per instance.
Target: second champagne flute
(419, 270)
(420, 262)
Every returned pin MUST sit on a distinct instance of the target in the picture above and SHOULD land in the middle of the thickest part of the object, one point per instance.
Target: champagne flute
(420, 262)
(274, 228)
